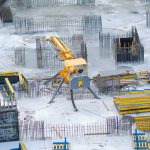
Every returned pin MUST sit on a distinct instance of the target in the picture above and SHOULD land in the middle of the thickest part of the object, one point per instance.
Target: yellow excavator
(73, 70)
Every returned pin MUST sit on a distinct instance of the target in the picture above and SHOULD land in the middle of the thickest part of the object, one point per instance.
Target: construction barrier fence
(33, 130)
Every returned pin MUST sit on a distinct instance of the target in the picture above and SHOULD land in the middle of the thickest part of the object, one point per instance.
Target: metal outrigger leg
(95, 95)
(72, 99)
(52, 78)
(57, 90)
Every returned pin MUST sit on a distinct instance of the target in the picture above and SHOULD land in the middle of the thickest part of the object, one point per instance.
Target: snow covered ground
(117, 16)
(93, 143)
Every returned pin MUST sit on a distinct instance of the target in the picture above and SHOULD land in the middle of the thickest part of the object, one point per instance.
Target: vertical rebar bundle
(87, 25)
(148, 19)
(54, 24)
(92, 25)
(39, 53)
(20, 56)
(2, 2)
(106, 44)
(146, 1)
(6, 14)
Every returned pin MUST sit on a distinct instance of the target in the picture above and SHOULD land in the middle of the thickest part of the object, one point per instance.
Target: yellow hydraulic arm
(71, 65)
(64, 53)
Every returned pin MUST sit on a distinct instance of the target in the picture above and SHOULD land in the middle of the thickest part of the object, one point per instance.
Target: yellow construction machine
(73, 70)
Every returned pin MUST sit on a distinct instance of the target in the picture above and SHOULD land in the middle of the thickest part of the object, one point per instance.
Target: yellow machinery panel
(74, 62)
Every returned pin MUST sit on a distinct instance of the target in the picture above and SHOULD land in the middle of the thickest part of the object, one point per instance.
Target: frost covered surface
(117, 16)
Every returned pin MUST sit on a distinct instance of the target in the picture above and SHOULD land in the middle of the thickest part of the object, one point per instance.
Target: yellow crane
(72, 72)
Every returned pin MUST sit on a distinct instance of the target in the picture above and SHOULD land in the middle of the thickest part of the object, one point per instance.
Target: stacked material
(142, 122)
(128, 79)
(133, 103)
(145, 76)
(133, 92)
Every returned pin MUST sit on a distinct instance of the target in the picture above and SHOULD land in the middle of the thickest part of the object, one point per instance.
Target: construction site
(74, 75)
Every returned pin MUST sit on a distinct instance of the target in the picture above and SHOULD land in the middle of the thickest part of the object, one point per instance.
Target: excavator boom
(64, 52)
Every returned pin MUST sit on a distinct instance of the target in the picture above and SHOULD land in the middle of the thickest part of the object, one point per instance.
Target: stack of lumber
(142, 122)
(145, 76)
(133, 103)
(133, 92)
